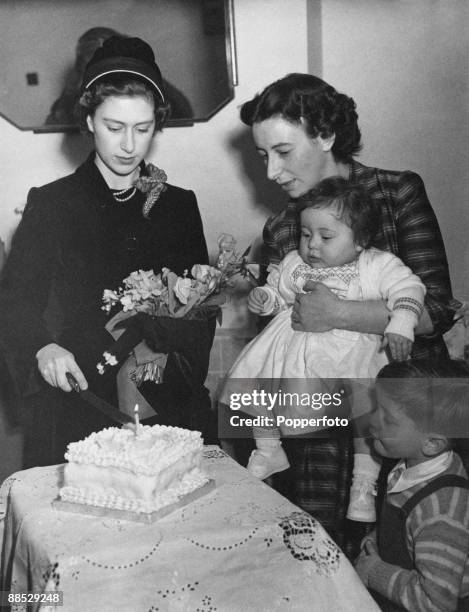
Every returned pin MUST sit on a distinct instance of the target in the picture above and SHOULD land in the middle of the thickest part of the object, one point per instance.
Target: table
(239, 548)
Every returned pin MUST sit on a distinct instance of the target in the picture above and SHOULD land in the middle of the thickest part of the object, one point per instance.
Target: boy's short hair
(354, 207)
(435, 395)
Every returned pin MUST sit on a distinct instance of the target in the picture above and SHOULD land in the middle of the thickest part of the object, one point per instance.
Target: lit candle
(137, 420)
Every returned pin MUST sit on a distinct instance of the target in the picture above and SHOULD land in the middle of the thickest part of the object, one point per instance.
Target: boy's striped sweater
(437, 536)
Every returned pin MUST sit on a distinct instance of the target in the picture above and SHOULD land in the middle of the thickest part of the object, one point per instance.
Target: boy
(417, 558)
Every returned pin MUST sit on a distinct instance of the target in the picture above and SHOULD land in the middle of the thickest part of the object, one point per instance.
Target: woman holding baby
(306, 131)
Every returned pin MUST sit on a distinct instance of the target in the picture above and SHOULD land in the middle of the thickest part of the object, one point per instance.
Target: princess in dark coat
(84, 233)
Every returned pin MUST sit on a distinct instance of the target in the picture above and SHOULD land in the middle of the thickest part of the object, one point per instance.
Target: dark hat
(122, 55)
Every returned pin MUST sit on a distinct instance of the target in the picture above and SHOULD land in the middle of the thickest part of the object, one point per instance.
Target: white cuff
(402, 322)
(271, 305)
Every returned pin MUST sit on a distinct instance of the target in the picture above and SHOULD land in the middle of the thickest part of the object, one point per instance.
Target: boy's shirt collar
(402, 478)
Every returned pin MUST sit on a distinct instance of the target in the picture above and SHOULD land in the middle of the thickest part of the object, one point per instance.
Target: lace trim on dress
(345, 273)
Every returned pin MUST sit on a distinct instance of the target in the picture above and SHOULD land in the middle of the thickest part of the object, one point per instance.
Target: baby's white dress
(279, 352)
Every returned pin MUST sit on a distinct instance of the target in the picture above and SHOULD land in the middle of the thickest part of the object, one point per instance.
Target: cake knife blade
(98, 403)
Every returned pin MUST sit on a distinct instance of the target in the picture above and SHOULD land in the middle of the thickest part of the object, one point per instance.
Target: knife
(97, 402)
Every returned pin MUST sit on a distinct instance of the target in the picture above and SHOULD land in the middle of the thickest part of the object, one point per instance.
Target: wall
(405, 64)
(51, 30)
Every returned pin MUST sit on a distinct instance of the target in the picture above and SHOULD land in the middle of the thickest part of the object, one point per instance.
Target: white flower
(157, 287)
(201, 271)
(147, 280)
(127, 302)
(207, 275)
(142, 281)
(109, 359)
(110, 296)
(213, 282)
(182, 289)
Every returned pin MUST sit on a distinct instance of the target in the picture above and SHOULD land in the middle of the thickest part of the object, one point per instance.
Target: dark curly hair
(119, 85)
(353, 205)
(318, 106)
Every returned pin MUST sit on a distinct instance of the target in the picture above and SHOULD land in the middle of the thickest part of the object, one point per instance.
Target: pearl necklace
(116, 194)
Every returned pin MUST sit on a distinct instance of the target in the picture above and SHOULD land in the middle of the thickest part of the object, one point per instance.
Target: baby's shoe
(362, 505)
(263, 464)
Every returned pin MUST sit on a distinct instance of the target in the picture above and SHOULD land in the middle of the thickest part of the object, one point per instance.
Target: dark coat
(74, 241)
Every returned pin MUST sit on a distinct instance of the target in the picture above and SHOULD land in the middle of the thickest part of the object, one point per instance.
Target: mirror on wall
(45, 44)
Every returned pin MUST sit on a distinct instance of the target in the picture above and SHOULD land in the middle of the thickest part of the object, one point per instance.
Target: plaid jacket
(409, 229)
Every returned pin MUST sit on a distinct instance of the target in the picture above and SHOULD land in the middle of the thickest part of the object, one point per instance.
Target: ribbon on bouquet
(143, 342)
(141, 364)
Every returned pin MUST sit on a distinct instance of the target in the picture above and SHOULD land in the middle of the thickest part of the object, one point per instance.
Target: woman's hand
(400, 346)
(256, 300)
(321, 310)
(53, 362)
(316, 310)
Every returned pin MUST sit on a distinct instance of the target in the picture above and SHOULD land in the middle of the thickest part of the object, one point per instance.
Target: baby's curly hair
(310, 101)
(352, 205)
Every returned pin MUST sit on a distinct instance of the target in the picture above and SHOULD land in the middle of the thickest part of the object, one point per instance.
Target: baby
(338, 224)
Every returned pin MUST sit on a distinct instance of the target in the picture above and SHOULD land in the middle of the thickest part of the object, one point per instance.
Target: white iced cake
(115, 468)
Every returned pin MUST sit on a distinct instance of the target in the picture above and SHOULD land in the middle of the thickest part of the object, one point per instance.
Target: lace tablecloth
(239, 548)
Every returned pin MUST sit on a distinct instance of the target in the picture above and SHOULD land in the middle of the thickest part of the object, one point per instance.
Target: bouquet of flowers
(148, 299)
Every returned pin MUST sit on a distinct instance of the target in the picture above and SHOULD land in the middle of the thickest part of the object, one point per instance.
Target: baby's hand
(256, 300)
(400, 346)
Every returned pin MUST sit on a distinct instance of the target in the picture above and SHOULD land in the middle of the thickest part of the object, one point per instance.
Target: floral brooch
(153, 184)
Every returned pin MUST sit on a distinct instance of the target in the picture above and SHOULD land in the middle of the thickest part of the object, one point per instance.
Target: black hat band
(124, 65)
